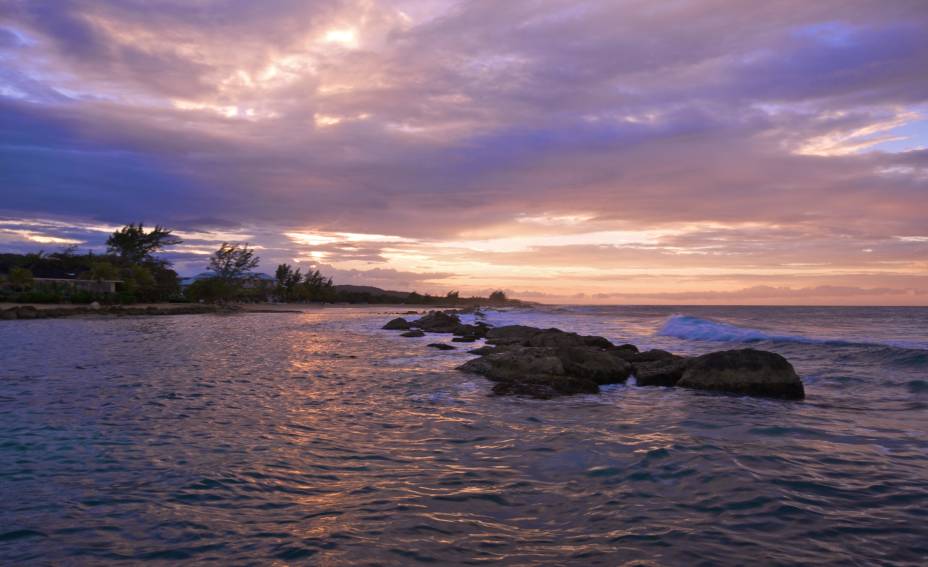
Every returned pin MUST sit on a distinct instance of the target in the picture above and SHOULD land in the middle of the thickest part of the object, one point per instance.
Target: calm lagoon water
(318, 438)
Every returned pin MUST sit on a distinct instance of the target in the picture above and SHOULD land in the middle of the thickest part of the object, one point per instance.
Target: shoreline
(29, 311)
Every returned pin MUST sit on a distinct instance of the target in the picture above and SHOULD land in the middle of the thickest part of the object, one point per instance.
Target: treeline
(292, 285)
(451, 299)
(129, 260)
(130, 272)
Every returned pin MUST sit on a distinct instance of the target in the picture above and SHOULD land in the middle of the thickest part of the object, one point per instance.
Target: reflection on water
(317, 437)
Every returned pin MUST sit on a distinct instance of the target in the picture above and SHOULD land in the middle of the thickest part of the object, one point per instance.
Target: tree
(100, 271)
(21, 278)
(232, 261)
(287, 281)
(210, 290)
(453, 295)
(316, 287)
(498, 296)
(133, 244)
(140, 283)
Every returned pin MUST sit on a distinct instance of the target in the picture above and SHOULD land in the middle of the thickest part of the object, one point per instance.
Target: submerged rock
(398, 324)
(441, 346)
(413, 333)
(743, 371)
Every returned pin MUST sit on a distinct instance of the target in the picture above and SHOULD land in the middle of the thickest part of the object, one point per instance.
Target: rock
(594, 364)
(635, 357)
(744, 371)
(662, 372)
(628, 347)
(413, 333)
(8, 314)
(464, 339)
(467, 330)
(96, 305)
(554, 338)
(398, 324)
(437, 322)
(547, 388)
(441, 346)
(531, 336)
(483, 350)
(479, 330)
(27, 312)
(510, 334)
(547, 371)
(516, 364)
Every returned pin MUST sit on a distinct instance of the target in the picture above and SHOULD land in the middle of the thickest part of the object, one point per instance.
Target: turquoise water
(318, 438)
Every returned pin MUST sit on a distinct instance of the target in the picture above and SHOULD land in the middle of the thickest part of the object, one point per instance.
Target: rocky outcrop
(413, 333)
(398, 324)
(743, 371)
(543, 363)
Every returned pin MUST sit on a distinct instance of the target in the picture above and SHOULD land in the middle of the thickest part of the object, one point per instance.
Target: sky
(683, 151)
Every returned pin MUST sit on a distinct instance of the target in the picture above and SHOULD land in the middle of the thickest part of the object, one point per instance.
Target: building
(92, 286)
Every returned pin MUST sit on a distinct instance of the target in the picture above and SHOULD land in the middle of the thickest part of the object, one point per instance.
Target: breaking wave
(698, 329)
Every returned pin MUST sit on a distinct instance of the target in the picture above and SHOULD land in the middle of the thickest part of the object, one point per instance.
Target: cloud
(510, 141)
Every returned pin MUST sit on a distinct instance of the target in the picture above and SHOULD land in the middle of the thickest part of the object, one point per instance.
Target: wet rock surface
(545, 363)
(398, 324)
(744, 371)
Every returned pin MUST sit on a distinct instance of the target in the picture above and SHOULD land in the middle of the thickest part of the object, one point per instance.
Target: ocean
(318, 438)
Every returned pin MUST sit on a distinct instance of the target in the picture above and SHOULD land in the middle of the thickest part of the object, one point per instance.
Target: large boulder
(398, 324)
(743, 371)
(437, 322)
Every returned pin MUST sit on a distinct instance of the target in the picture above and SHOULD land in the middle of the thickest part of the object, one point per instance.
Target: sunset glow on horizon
(581, 152)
